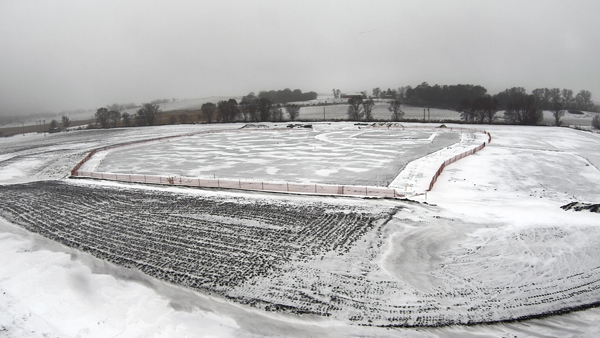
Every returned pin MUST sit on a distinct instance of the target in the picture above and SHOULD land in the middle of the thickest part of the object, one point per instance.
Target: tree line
(450, 96)
(445, 97)
(360, 109)
(66, 122)
(267, 106)
(286, 95)
(109, 117)
(523, 108)
(473, 103)
(249, 109)
(477, 106)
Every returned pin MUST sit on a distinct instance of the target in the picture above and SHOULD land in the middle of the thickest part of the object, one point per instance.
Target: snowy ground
(342, 153)
(491, 243)
(52, 156)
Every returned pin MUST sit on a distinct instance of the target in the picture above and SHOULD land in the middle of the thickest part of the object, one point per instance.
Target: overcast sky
(63, 55)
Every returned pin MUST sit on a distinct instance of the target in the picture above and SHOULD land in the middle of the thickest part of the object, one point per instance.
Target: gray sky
(62, 55)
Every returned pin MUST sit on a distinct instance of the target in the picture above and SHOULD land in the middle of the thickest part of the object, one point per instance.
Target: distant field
(584, 120)
(380, 112)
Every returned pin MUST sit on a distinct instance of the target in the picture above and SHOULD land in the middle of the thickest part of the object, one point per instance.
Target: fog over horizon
(66, 55)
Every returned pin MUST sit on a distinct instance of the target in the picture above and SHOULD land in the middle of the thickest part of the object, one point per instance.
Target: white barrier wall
(319, 189)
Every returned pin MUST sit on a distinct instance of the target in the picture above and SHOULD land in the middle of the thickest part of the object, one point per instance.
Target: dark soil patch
(578, 206)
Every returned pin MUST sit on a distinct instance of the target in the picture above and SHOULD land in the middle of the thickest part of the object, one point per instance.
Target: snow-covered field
(583, 120)
(342, 153)
(491, 243)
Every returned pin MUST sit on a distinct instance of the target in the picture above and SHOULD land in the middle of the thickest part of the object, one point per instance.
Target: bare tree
(66, 122)
(227, 111)
(465, 109)
(293, 111)
(222, 114)
(557, 111)
(478, 109)
(244, 111)
(249, 107)
(484, 108)
(355, 112)
(233, 111)
(253, 110)
(492, 109)
(583, 99)
(264, 109)
(395, 108)
(148, 113)
(368, 109)
(542, 97)
(567, 98)
(102, 117)
(336, 93)
(376, 92)
(554, 95)
(402, 93)
(126, 119)
(596, 122)
(523, 111)
(139, 120)
(556, 105)
(114, 117)
(208, 110)
(277, 113)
